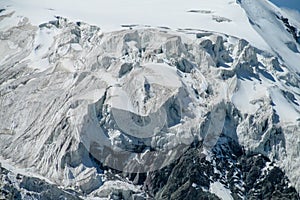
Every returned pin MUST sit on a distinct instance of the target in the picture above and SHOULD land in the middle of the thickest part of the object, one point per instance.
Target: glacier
(201, 101)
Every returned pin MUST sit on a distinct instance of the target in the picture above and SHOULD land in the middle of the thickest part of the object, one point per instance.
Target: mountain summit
(155, 100)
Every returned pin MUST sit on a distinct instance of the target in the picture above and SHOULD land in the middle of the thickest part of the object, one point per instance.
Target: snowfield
(111, 15)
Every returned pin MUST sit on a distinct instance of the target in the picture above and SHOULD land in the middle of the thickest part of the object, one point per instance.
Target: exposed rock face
(291, 29)
(245, 175)
(16, 186)
(94, 111)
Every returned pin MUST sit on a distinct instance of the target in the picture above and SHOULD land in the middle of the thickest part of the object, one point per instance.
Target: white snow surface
(253, 20)
(174, 14)
(219, 189)
(263, 15)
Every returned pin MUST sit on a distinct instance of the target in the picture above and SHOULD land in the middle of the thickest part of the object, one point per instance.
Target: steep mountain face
(281, 37)
(150, 113)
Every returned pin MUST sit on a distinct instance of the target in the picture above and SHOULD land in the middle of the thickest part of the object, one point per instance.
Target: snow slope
(110, 15)
(265, 19)
(263, 29)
